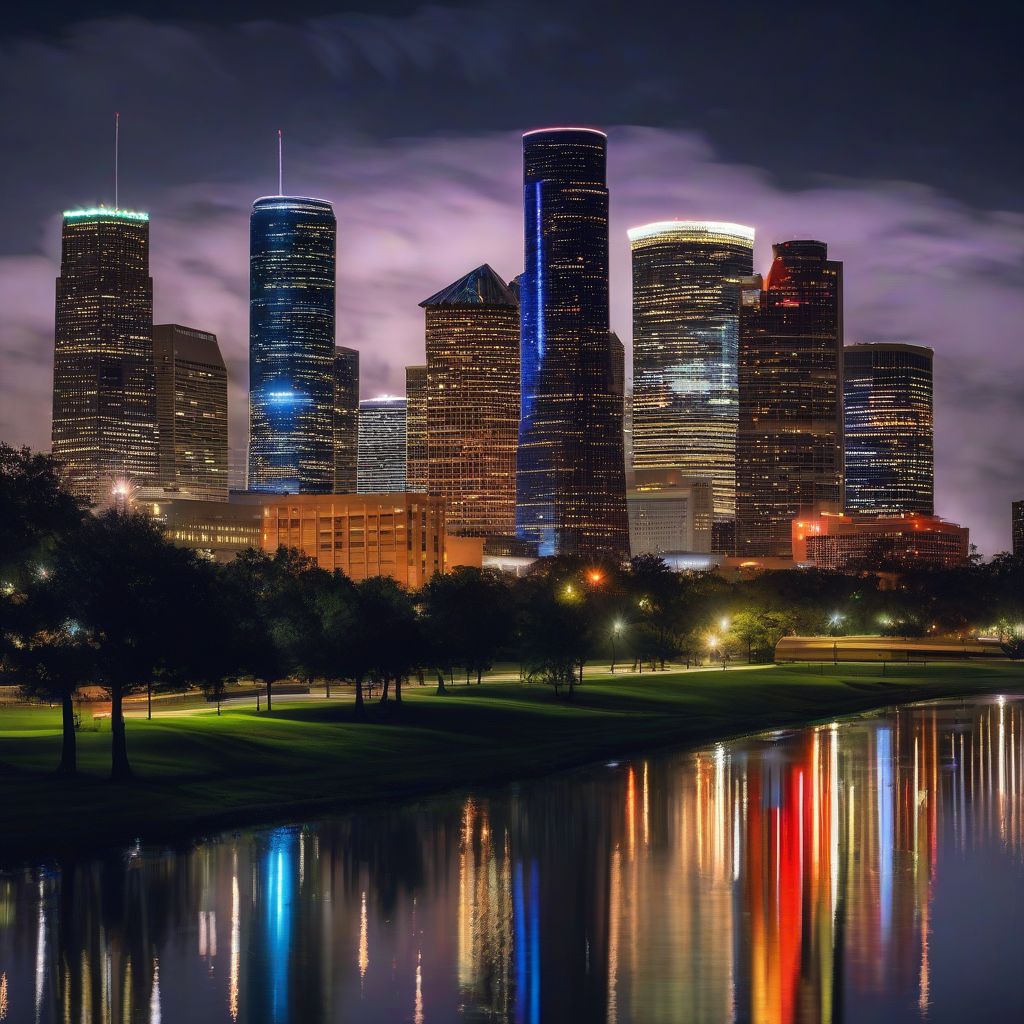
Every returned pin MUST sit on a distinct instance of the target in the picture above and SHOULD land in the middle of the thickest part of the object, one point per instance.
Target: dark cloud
(409, 125)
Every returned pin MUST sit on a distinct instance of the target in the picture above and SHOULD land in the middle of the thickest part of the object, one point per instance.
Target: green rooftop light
(103, 211)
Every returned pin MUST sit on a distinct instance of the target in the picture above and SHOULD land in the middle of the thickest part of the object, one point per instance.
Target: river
(871, 870)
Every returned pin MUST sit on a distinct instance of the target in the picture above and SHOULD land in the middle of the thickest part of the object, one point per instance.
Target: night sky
(892, 132)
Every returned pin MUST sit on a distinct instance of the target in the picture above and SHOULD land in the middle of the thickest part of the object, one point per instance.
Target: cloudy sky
(891, 134)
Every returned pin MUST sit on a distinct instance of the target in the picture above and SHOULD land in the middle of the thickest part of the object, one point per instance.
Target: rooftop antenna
(280, 163)
(117, 146)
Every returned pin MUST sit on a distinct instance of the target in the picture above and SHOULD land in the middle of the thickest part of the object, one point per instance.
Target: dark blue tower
(291, 345)
(570, 472)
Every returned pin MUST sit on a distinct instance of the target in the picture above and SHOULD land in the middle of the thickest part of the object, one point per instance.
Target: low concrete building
(217, 529)
(834, 541)
(399, 535)
(670, 514)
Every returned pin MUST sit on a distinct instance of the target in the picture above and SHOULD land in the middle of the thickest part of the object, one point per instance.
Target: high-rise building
(1018, 527)
(789, 451)
(346, 419)
(669, 513)
(416, 429)
(472, 344)
(291, 345)
(686, 283)
(381, 467)
(570, 474)
(192, 412)
(104, 394)
(888, 429)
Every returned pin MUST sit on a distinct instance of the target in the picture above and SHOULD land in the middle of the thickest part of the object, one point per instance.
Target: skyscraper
(887, 414)
(416, 429)
(291, 345)
(192, 412)
(472, 343)
(1017, 526)
(382, 445)
(104, 399)
(346, 419)
(686, 277)
(789, 450)
(570, 478)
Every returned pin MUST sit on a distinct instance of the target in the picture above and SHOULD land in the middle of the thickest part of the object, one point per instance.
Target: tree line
(105, 600)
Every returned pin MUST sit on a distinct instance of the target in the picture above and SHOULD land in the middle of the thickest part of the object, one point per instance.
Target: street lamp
(617, 626)
(724, 623)
(595, 576)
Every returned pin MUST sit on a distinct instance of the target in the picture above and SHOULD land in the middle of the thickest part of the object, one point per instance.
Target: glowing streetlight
(724, 623)
(569, 591)
(595, 576)
(617, 627)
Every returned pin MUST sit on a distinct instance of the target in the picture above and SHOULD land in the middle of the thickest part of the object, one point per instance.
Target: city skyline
(904, 221)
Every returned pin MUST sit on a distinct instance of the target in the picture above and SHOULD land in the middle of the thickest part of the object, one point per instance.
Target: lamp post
(615, 631)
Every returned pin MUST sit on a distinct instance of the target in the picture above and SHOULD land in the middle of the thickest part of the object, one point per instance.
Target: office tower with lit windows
(416, 429)
(192, 412)
(346, 419)
(888, 429)
(570, 475)
(381, 465)
(104, 394)
(291, 345)
(789, 449)
(686, 280)
(1017, 527)
(472, 344)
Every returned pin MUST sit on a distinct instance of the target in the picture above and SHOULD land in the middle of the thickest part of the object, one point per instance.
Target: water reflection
(866, 871)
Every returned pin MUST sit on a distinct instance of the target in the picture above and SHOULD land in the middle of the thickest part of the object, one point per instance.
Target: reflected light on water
(836, 873)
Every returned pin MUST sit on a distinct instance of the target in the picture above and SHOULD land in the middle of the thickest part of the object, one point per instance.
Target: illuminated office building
(669, 515)
(381, 466)
(472, 344)
(363, 535)
(192, 412)
(291, 345)
(686, 277)
(104, 392)
(1017, 509)
(416, 429)
(789, 451)
(346, 418)
(887, 426)
(833, 541)
(570, 476)
(218, 530)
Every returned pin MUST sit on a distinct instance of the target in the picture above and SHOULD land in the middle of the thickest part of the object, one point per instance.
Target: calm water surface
(870, 871)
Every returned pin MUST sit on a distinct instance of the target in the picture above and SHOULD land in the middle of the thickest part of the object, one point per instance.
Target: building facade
(381, 467)
(570, 476)
(291, 345)
(840, 542)
(1017, 526)
(671, 518)
(396, 535)
(104, 390)
(789, 450)
(346, 419)
(888, 429)
(217, 529)
(192, 412)
(472, 345)
(416, 429)
(686, 285)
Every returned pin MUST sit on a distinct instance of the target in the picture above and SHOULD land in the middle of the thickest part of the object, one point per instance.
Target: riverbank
(199, 773)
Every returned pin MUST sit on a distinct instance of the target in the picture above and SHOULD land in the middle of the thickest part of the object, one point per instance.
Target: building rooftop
(96, 212)
(480, 287)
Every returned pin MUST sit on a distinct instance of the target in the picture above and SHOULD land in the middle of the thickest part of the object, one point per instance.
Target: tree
(554, 633)
(389, 633)
(136, 596)
(51, 666)
(277, 618)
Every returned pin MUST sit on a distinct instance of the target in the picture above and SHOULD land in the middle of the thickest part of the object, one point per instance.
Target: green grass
(200, 772)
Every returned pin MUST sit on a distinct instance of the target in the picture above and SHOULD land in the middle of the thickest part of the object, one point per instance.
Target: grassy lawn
(200, 772)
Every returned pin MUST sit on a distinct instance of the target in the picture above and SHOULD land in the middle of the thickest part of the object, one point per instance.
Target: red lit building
(834, 541)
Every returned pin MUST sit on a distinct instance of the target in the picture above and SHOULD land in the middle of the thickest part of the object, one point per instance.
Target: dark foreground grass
(198, 773)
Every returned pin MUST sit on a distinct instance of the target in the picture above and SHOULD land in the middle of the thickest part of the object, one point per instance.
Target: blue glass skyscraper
(291, 345)
(570, 473)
